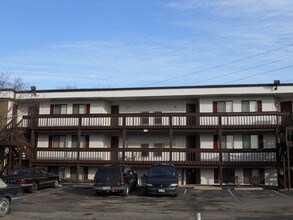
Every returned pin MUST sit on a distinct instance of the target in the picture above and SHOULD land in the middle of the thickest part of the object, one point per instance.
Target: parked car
(115, 178)
(9, 194)
(32, 179)
(162, 179)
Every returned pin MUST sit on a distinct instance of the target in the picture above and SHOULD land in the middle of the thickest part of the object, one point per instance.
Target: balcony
(236, 120)
(144, 157)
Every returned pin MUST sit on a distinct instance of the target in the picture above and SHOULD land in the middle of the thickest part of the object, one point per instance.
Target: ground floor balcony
(146, 157)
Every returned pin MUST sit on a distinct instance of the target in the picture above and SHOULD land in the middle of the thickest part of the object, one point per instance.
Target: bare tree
(8, 87)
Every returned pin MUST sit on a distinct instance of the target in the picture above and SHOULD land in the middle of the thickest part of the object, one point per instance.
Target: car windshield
(162, 171)
(108, 172)
(21, 172)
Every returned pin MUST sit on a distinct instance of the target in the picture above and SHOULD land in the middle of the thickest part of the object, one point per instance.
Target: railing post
(288, 167)
(221, 175)
(170, 138)
(124, 136)
(77, 156)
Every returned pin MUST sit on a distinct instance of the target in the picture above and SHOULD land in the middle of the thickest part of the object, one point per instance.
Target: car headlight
(174, 185)
(149, 184)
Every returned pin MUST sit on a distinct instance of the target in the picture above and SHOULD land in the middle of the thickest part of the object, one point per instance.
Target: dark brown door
(114, 145)
(191, 144)
(114, 111)
(191, 119)
(286, 107)
(191, 176)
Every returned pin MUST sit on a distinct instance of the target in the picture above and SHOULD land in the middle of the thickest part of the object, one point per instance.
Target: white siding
(207, 176)
(271, 177)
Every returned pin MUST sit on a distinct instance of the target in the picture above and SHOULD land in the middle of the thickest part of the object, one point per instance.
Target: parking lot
(81, 202)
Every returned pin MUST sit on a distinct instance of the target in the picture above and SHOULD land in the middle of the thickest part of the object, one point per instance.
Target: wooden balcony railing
(139, 156)
(161, 120)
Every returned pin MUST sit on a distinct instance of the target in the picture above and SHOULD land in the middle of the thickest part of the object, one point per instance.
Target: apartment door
(114, 111)
(191, 119)
(192, 176)
(228, 175)
(286, 107)
(191, 144)
(114, 145)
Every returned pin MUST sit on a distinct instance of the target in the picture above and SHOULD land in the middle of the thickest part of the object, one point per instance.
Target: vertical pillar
(10, 158)
(32, 149)
(170, 138)
(170, 143)
(123, 137)
(289, 168)
(77, 156)
(220, 155)
(123, 143)
(284, 173)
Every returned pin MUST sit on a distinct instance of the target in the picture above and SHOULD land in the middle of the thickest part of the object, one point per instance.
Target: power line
(252, 76)
(221, 65)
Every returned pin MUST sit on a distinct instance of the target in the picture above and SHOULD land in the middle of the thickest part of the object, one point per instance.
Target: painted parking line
(232, 194)
(281, 194)
(185, 191)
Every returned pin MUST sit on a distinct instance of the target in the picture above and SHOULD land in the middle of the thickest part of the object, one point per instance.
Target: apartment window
(252, 141)
(58, 109)
(158, 146)
(57, 141)
(84, 141)
(81, 109)
(223, 106)
(145, 152)
(251, 106)
(145, 119)
(158, 119)
(227, 142)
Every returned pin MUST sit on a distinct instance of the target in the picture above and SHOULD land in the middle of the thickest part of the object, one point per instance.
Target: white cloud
(238, 7)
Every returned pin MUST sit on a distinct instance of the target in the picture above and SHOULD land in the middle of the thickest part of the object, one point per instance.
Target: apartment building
(214, 135)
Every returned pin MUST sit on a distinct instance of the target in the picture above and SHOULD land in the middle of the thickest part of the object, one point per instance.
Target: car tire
(4, 206)
(55, 184)
(126, 190)
(34, 187)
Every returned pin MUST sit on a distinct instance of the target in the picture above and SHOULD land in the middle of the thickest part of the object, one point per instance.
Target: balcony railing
(139, 156)
(155, 120)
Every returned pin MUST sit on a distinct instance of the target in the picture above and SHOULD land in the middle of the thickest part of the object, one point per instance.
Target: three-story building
(214, 135)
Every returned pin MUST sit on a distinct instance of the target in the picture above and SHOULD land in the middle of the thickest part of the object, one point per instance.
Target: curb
(248, 189)
(208, 188)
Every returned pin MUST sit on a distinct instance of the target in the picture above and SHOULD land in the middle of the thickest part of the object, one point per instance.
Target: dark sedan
(32, 179)
(9, 194)
(162, 179)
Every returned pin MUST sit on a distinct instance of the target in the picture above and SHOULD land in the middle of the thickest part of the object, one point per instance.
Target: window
(227, 142)
(58, 109)
(145, 152)
(84, 141)
(57, 141)
(249, 106)
(252, 141)
(158, 119)
(81, 109)
(223, 106)
(158, 146)
(144, 119)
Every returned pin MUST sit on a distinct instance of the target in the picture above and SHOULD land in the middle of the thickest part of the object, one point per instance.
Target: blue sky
(139, 43)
